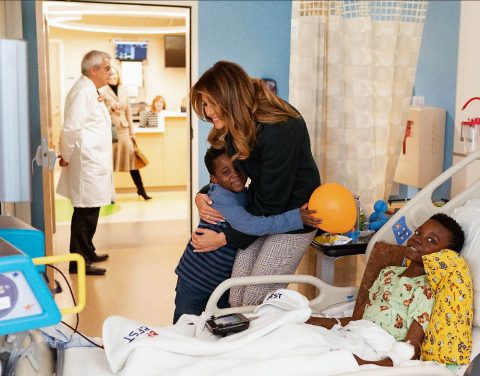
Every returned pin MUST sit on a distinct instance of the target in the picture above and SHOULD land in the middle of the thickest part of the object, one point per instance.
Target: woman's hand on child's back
(307, 218)
(205, 210)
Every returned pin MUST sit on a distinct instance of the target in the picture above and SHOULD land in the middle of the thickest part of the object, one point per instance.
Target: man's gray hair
(93, 59)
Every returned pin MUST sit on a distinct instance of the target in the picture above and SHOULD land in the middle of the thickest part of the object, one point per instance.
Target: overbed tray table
(327, 254)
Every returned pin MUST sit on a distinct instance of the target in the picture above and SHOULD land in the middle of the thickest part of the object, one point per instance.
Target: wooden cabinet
(176, 152)
(421, 158)
(168, 153)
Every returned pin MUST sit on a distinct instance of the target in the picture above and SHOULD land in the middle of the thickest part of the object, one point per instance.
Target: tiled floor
(145, 240)
(165, 205)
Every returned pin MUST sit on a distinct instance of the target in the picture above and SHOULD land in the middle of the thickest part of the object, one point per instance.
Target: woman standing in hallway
(268, 140)
(117, 102)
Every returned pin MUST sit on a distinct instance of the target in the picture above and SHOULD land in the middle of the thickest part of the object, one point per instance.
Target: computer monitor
(133, 51)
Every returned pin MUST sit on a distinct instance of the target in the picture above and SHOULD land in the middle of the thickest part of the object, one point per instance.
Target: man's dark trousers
(82, 230)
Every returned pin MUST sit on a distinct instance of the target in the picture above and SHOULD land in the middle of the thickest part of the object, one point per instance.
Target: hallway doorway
(143, 238)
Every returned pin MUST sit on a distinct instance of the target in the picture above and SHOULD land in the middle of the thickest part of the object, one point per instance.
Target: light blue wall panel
(254, 34)
(30, 35)
(437, 68)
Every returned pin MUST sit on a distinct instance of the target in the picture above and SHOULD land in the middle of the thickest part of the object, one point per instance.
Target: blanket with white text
(278, 343)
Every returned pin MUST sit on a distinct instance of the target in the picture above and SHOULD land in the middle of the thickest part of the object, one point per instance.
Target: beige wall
(3, 31)
(158, 80)
(468, 82)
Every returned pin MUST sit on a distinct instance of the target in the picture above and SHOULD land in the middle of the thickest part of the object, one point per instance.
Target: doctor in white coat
(86, 157)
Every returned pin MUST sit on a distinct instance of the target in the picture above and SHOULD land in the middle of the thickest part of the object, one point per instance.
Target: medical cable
(75, 329)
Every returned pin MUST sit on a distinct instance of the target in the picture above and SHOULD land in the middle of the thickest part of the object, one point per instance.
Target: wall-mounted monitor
(175, 51)
(136, 51)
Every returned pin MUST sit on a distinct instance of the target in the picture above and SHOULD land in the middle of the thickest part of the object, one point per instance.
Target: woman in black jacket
(268, 140)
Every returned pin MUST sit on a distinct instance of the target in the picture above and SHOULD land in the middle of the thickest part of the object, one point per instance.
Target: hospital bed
(92, 361)
(413, 214)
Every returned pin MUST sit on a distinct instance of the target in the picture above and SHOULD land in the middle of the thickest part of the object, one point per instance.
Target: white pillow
(468, 216)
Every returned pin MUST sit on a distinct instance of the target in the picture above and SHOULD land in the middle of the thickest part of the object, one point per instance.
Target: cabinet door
(176, 148)
(423, 147)
(152, 145)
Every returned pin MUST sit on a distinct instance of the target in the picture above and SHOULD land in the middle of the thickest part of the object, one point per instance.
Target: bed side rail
(327, 294)
(420, 207)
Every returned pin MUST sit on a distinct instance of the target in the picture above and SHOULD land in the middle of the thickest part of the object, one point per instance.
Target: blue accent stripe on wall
(436, 76)
(30, 35)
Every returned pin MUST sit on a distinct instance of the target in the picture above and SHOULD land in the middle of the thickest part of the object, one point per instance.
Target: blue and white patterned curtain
(352, 70)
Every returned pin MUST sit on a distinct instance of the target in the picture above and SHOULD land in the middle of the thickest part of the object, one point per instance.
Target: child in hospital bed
(401, 299)
(200, 273)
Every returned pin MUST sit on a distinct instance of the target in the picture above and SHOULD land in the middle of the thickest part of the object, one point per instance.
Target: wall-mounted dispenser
(421, 158)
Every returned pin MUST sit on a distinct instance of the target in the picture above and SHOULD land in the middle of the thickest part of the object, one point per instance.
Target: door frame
(59, 43)
(44, 95)
(45, 127)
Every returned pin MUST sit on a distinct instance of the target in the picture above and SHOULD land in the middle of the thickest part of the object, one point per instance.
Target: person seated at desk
(401, 298)
(149, 119)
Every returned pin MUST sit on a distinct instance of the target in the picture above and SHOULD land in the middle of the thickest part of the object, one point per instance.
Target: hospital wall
(436, 76)
(254, 34)
(3, 31)
(257, 35)
(468, 86)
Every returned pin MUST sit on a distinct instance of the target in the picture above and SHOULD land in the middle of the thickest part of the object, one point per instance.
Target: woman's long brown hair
(241, 101)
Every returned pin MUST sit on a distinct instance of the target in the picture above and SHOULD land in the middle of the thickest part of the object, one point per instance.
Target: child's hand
(206, 212)
(307, 219)
(205, 240)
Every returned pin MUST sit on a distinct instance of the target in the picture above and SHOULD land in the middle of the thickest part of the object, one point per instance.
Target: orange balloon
(335, 206)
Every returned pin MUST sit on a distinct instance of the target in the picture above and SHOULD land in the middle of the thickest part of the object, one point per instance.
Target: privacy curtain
(352, 69)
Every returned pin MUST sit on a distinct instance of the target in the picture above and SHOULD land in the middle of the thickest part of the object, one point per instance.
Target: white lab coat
(86, 143)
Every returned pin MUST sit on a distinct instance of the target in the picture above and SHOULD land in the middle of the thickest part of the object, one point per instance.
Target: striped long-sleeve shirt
(149, 119)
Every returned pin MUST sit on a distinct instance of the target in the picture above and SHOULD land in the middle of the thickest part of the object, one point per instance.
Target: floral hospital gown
(395, 301)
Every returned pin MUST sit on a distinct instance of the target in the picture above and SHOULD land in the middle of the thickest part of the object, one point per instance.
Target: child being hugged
(199, 273)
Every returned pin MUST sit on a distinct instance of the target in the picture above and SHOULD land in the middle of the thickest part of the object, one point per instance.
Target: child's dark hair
(458, 236)
(210, 157)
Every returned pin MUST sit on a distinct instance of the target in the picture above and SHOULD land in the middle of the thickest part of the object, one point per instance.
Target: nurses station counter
(167, 151)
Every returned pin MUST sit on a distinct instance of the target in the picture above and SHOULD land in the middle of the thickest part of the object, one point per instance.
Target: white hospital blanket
(276, 343)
